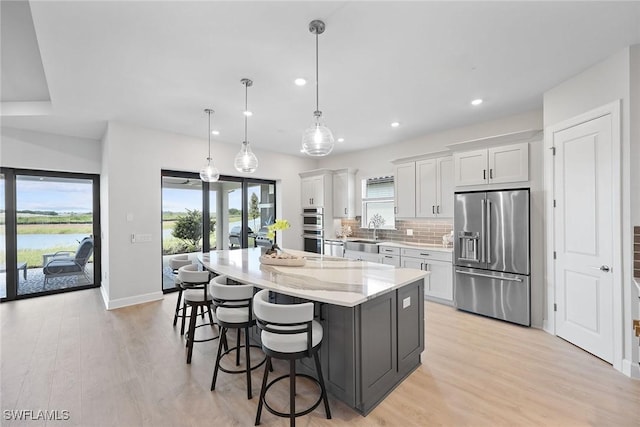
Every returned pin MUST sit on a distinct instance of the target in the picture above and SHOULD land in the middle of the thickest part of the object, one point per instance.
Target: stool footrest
(297, 414)
(241, 371)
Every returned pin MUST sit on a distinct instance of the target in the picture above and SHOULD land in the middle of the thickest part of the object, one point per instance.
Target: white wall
(34, 150)
(133, 159)
(376, 161)
(610, 80)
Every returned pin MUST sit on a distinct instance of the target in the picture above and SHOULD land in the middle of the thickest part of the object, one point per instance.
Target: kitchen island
(372, 315)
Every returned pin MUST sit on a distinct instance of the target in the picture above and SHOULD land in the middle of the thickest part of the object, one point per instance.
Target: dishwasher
(334, 248)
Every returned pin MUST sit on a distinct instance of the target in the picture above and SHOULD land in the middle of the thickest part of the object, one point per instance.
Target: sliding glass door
(231, 213)
(50, 229)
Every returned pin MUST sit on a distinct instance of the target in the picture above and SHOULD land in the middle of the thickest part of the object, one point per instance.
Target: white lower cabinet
(439, 284)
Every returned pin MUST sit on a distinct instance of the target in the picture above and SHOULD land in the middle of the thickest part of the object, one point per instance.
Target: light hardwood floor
(127, 368)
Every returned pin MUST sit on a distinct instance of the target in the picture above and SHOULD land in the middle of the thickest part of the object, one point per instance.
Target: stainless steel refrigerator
(491, 244)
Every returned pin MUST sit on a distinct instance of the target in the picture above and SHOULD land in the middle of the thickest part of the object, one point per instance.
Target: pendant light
(245, 160)
(317, 140)
(209, 173)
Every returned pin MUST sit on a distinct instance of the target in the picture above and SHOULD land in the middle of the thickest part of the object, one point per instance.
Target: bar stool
(233, 311)
(196, 295)
(288, 332)
(175, 263)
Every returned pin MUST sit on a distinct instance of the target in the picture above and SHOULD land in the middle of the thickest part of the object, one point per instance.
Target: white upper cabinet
(495, 165)
(424, 188)
(316, 189)
(509, 163)
(434, 187)
(344, 188)
(405, 190)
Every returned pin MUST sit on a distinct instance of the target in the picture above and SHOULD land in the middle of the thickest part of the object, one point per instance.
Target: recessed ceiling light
(215, 132)
(395, 124)
(476, 102)
(340, 139)
(247, 113)
(300, 82)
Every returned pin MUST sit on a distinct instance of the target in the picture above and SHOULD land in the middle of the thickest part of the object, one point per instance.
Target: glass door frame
(206, 214)
(11, 229)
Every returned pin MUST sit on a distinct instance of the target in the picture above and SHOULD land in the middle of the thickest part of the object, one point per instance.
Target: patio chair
(65, 263)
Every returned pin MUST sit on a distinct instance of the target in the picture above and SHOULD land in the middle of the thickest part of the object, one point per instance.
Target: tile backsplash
(425, 231)
(636, 251)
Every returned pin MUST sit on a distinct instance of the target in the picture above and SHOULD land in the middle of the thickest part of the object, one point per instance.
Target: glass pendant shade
(317, 140)
(245, 160)
(209, 173)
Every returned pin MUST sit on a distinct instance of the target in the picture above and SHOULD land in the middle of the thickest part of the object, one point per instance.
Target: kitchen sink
(362, 246)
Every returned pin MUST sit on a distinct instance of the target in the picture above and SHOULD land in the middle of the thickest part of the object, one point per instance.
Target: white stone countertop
(323, 278)
(397, 244)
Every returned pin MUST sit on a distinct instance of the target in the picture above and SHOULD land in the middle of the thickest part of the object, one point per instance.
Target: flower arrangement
(344, 231)
(377, 220)
(278, 225)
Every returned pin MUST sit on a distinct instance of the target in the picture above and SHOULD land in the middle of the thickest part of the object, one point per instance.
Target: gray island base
(372, 316)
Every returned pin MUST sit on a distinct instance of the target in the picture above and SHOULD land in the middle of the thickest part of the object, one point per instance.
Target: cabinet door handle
(484, 174)
(345, 211)
(490, 173)
(438, 209)
(423, 254)
(433, 209)
(395, 209)
(421, 266)
(388, 256)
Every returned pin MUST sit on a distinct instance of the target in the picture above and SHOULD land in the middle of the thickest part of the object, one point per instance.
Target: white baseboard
(105, 297)
(134, 300)
(547, 327)
(630, 369)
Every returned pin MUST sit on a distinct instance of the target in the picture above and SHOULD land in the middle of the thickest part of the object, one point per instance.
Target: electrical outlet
(409, 232)
(406, 302)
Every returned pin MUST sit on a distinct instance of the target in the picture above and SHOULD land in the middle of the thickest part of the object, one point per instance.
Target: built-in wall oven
(313, 230)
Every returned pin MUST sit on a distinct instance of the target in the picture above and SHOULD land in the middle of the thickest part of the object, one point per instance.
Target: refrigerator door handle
(488, 235)
(507, 279)
(483, 234)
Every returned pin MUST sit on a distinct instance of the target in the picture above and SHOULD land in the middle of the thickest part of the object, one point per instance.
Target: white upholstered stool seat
(288, 332)
(233, 310)
(196, 295)
(175, 263)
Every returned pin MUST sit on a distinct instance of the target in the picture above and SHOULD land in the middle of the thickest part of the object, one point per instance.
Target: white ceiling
(160, 64)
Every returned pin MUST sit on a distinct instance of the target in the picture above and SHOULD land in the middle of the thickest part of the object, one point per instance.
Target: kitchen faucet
(375, 228)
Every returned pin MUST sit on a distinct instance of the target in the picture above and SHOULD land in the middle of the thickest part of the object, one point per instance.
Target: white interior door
(583, 190)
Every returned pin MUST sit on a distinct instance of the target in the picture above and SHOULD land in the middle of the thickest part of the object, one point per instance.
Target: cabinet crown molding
(419, 157)
(315, 172)
(505, 138)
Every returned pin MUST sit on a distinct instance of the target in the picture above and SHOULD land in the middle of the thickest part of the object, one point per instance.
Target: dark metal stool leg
(175, 316)
(292, 392)
(322, 388)
(223, 331)
(192, 331)
(184, 316)
(238, 347)
(248, 361)
(263, 389)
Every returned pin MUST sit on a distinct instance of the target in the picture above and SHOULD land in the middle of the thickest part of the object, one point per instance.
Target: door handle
(345, 211)
(438, 209)
(490, 173)
(603, 267)
(484, 174)
(433, 209)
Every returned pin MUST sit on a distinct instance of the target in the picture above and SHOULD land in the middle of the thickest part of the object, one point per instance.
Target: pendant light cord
(246, 109)
(209, 158)
(317, 84)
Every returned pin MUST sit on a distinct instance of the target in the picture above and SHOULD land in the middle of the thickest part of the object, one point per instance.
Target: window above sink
(378, 198)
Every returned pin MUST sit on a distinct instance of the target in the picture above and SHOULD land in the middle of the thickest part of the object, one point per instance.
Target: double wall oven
(313, 229)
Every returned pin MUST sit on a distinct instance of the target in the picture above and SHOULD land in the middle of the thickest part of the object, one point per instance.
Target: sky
(74, 195)
(65, 195)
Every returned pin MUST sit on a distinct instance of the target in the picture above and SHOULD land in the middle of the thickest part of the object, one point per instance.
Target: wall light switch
(409, 232)
(129, 216)
(406, 302)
